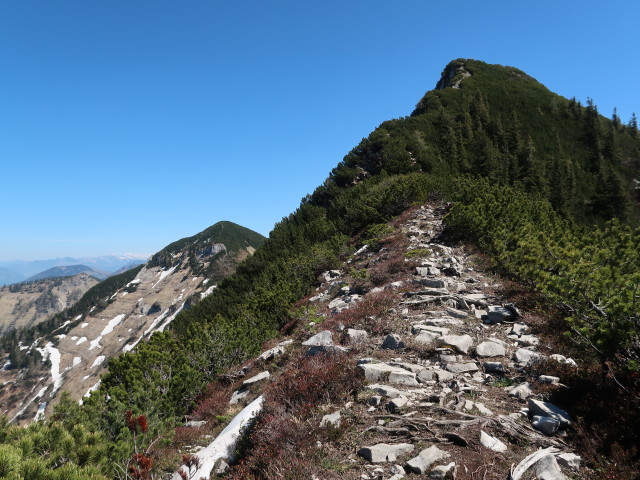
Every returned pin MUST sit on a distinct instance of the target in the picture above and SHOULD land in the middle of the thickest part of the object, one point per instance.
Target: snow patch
(91, 389)
(208, 292)
(84, 325)
(77, 318)
(40, 412)
(76, 361)
(81, 341)
(164, 273)
(98, 361)
(224, 444)
(107, 330)
(53, 354)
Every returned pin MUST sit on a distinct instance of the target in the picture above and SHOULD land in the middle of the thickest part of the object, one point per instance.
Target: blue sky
(127, 124)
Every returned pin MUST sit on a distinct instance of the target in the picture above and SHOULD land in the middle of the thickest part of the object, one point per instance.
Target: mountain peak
(453, 74)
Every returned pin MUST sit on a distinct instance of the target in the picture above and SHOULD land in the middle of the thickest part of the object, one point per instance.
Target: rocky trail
(452, 387)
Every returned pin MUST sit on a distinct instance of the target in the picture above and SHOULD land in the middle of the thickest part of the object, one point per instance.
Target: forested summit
(500, 123)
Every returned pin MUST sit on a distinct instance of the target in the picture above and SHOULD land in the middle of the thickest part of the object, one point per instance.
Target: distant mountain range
(14, 271)
(68, 271)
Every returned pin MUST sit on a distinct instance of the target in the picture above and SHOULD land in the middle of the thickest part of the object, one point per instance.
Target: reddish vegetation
(370, 313)
(284, 438)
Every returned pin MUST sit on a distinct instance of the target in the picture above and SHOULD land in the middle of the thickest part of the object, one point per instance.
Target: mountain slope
(120, 312)
(24, 305)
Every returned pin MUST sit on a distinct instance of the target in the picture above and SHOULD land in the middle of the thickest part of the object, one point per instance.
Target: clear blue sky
(127, 124)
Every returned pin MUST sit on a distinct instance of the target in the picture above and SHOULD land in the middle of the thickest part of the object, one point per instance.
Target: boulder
(392, 342)
(443, 472)
(462, 367)
(384, 452)
(256, 378)
(357, 336)
(443, 375)
(547, 468)
(384, 371)
(397, 403)
(546, 409)
(490, 349)
(425, 338)
(526, 357)
(462, 343)
(548, 379)
(519, 329)
(498, 314)
(324, 338)
(493, 367)
(419, 328)
(385, 390)
(329, 349)
(547, 425)
(528, 340)
(492, 443)
(569, 460)
(433, 282)
(425, 459)
(521, 392)
(237, 396)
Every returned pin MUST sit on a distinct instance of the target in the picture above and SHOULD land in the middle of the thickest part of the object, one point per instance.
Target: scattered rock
(384, 452)
(397, 403)
(521, 392)
(425, 338)
(332, 419)
(425, 459)
(384, 371)
(548, 379)
(490, 349)
(546, 409)
(547, 468)
(324, 338)
(497, 314)
(392, 342)
(419, 328)
(526, 357)
(562, 359)
(482, 409)
(528, 340)
(443, 472)
(461, 367)
(256, 378)
(493, 367)
(518, 329)
(385, 390)
(462, 343)
(195, 423)
(433, 282)
(357, 336)
(547, 425)
(443, 375)
(491, 443)
(237, 396)
(569, 460)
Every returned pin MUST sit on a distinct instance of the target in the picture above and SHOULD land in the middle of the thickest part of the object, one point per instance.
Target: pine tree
(633, 125)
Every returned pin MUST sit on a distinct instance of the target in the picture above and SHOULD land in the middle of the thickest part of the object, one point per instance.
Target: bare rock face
(28, 304)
